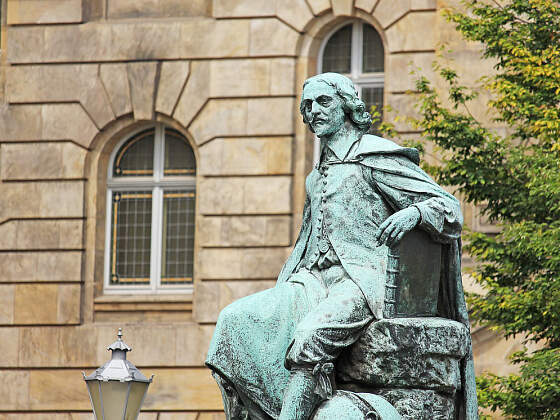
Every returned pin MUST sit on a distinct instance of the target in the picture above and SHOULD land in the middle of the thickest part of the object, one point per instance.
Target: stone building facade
(78, 77)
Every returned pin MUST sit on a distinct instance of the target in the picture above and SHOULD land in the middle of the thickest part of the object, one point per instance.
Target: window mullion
(108, 238)
(155, 255)
(157, 205)
(356, 55)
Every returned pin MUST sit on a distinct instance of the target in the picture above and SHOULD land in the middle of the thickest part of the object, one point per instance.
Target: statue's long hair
(352, 105)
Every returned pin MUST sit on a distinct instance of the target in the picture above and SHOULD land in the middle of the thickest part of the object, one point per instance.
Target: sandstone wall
(77, 75)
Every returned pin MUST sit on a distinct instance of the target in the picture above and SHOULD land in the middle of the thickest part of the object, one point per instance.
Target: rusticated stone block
(404, 35)
(419, 353)
(420, 404)
(44, 11)
(171, 83)
(319, 6)
(123, 9)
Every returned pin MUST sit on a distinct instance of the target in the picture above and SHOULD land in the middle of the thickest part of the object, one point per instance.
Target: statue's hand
(396, 226)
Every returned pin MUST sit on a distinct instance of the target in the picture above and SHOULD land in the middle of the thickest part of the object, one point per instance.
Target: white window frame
(157, 183)
(361, 80)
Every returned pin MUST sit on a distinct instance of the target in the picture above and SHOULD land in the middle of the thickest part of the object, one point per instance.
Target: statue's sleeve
(403, 184)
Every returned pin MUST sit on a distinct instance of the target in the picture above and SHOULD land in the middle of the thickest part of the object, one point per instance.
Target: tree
(517, 179)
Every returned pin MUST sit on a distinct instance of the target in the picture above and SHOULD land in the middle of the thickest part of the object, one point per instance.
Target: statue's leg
(233, 406)
(334, 324)
(300, 398)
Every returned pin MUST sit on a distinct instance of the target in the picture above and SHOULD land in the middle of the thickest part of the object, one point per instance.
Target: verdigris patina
(360, 303)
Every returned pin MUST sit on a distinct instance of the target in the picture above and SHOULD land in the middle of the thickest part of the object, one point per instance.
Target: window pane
(373, 97)
(136, 156)
(337, 54)
(178, 237)
(373, 54)
(179, 157)
(131, 237)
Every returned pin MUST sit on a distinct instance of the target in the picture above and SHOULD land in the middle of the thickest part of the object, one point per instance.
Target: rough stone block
(21, 161)
(179, 416)
(38, 345)
(242, 8)
(14, 389)
(26, 84)
(282, 75)
(68, 304)
(399, 68)
(40, 234)
(171, 82)
(267, 195)
(419, 404)
(239, 77)
(342, 7)
(212, 297)
(388, 12)
(115, 80)
(319, 6)
(403, 105)
(192, 344)
(123, 9)
(421, 353)
(272, 37)
(40, 266)
(71, 392)
(211, 416)
(423, 4)
(241, 263)
(195, 94)
(366, 5)
(270, 116)
(67, 122)
(22, 122)
(414, 32)
(130, 40)
(7, 304)
(254, 195)
(295, 12)
(246, 156)
(221, 231)
(220, 117)
(9, 347)
(85, 354)
(142, 79)
(43, 11)
(46, 304)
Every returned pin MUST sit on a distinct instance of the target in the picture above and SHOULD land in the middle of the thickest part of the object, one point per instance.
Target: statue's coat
(257, 371)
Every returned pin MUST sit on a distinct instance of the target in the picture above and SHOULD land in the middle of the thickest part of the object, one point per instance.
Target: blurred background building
(152, 166)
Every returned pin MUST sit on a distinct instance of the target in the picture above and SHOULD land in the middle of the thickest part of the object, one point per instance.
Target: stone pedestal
(414, 363)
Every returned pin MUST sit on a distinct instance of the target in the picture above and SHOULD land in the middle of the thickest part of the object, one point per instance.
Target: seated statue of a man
(273, 352)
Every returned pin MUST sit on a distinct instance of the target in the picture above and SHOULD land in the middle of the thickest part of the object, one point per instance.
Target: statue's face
(323, 108)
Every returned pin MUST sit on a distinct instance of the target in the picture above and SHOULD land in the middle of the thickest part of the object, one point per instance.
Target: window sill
(164, 303)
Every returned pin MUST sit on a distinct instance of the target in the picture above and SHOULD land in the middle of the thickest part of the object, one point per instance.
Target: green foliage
(516, 178)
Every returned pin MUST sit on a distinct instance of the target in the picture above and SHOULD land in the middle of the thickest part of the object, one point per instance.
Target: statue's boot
(300, 398)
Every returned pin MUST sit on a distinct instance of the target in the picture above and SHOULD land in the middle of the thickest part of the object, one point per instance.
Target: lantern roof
(118, 368)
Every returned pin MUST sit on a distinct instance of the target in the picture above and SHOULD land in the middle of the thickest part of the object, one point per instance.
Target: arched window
(356, 50)
(150, 213)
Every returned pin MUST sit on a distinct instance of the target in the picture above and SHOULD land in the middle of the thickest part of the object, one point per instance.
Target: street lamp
(117, 389)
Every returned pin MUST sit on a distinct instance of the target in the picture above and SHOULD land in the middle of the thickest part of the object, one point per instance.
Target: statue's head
(328, 101)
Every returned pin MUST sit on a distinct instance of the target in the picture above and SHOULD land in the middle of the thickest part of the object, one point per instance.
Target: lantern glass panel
(137, 392)
(93, 388)
(114, 399)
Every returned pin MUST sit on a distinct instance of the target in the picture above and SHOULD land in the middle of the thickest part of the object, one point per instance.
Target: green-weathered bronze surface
(379, 245)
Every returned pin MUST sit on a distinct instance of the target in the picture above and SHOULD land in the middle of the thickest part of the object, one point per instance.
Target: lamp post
(117, 389)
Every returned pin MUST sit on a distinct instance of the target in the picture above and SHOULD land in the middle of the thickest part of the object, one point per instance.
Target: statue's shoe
(346, 405)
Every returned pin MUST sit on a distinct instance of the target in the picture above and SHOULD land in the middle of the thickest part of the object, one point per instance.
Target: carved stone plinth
(414, 363)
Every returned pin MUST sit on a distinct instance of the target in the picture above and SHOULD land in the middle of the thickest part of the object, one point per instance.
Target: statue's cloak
(249, 349)
(380, 155)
